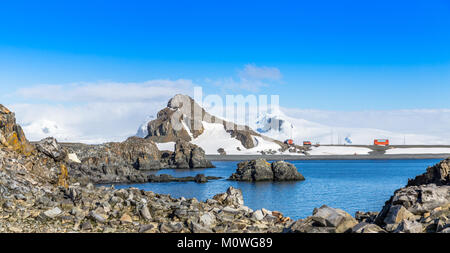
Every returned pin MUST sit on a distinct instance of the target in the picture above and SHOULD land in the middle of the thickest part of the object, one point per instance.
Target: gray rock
(254, 170)
(396, 214)
(258, 215)
(261, 170)
(171, 227)
(50, 147)
(367, 228)
(52, 213)
(145, 213)
(145, 228)
(407, 226)
(97, 217)
(207, 219)
(197, 228)
(284, 171)
(337, 218)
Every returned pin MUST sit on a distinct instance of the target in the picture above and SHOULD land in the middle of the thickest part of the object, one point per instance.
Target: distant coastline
(326, 157)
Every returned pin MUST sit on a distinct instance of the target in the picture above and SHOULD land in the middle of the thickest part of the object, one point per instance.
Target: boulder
(396, 214)
(50, 147)
(261, 170)
(337, 218)
(417, 200)
(52, 213)
(325, 220)
(367, 228)
(407, 226)
(284, 171)
(232, 197)
(254, 170)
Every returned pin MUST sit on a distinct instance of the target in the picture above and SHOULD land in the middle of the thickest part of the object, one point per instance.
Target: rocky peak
(11, 134)
(189, 116)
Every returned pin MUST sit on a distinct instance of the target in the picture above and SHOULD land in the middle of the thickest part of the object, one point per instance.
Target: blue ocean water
(362, 185)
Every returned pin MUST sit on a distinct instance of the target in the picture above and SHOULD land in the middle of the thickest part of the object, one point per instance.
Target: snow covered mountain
(279, 126)
(212, 133)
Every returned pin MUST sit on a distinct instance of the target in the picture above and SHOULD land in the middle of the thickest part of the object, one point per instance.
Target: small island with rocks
(261, 170)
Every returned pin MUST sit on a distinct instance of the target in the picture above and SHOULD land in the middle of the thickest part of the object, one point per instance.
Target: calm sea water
(349, 185)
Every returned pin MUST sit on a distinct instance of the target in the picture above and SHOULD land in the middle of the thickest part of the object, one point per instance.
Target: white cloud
(93, 112)
(252, 72)
(106, 91)
(251, 78)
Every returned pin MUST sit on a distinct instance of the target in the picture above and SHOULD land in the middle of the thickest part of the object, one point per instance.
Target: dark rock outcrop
(284, 171)
(123, 162)
(186, 156)
(438, 174)
(128, 161)
(164, 178)
(422, 206)
(261, 170)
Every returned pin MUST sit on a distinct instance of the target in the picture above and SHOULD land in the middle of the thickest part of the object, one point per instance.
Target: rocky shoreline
(46, 188)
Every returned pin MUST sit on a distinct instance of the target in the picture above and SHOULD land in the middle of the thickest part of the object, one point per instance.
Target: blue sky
(330, 55)
(327, 51)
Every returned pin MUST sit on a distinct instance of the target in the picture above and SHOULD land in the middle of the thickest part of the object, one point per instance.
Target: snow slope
(279, 126)
(397, 151)
(327, 150)
(215, 137)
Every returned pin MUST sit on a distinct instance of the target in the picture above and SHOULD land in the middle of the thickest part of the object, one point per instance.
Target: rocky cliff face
(11, 134)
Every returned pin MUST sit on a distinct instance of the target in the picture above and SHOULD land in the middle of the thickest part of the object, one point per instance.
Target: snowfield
(327, 150)
(398, 151)
(279, 126)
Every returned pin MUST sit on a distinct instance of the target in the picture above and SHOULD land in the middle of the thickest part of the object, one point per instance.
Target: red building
(381, 142)
(289, 142)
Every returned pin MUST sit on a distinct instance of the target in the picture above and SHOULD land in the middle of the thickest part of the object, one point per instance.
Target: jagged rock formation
(51, 148)
(183, 119)
(11, 134)
(186, 156)
(128, 161)
(114, 162)
(438, 174)
(261, 170)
